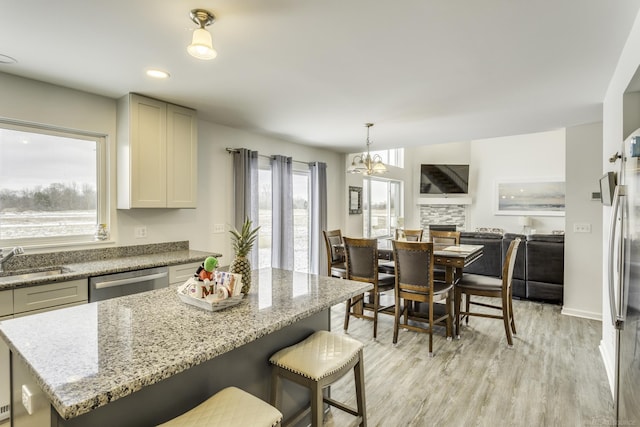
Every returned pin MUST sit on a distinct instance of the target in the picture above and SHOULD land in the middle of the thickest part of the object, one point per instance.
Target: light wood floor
(552, 376)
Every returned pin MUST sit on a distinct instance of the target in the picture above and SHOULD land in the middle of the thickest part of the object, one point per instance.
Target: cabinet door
(50, 295)
(179, 274)
(182, 157)
(6, 303)
(148, 129)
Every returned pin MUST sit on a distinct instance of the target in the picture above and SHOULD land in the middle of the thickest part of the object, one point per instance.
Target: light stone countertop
(97, 263)
(89, 355)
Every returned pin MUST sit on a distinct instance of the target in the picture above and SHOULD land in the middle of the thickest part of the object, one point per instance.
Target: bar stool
(230, 407)
(316, 363)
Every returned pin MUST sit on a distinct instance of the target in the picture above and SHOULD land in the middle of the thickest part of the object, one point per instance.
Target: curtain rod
(235, 150)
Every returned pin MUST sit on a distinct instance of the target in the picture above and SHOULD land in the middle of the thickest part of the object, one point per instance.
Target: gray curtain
(245, 171)
(317, 252)
(282, 250)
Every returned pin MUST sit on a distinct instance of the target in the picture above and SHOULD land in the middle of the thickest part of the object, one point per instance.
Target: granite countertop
(97, 262)
(92, 354)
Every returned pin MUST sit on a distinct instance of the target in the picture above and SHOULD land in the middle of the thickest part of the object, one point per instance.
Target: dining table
(453, 257)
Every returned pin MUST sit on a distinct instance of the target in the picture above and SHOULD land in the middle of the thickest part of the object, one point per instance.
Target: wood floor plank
(552, 376)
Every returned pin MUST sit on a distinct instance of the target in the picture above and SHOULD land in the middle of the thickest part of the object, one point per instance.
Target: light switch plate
(581, 227)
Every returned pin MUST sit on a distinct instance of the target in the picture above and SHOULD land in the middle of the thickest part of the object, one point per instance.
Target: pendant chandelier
(364, 163)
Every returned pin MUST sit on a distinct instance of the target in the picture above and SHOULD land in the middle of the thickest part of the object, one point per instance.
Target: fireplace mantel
(443, 201)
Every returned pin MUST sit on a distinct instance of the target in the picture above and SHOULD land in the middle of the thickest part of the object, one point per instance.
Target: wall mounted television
(444, 179)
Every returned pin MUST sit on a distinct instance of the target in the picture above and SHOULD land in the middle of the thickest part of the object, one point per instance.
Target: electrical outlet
(582, 227)
(27, 399)
(140, 232)
(218, 228)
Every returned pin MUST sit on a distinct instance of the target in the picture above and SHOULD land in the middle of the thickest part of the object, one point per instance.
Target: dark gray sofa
(545, 267)
(539, 270)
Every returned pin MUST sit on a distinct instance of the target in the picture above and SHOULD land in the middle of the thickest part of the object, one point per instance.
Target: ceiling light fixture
(364, 163)
(201, 46)
(157, 74)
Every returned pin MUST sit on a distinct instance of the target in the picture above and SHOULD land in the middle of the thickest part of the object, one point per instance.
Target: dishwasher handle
(129, 280)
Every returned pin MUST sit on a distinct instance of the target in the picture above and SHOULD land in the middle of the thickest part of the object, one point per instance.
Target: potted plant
(242, 242)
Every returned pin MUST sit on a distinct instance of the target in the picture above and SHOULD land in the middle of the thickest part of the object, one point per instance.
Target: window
(264, 212)
(301, 217)
(301, 220)
(382, 206)
(52, 185)
(392, 157)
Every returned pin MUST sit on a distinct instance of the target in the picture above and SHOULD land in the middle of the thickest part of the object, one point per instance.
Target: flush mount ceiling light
(364, 163)
(201, 46)
(157, 74)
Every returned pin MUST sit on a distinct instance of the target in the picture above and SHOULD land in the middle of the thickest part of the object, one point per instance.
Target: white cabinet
(157, 154)
(52, 295)
(179, 274)
(6, 303)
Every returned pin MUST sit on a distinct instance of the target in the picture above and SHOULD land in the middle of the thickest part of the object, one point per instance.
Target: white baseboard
(581, 313)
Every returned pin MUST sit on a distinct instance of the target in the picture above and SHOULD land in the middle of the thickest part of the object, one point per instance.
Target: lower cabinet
(178, 274)
(56, 295)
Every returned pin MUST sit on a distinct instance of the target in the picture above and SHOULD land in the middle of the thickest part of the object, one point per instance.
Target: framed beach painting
(541, 197)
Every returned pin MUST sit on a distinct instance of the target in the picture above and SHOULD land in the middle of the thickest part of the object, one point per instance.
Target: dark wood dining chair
(414, 283)
(336, 266)
(442, 237)
(362, 266)
(409, 235)
(485, 286)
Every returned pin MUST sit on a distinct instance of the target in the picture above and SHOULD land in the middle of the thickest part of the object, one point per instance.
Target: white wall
(37, 102)
(530, 156)
(582, 296)
(613, 135)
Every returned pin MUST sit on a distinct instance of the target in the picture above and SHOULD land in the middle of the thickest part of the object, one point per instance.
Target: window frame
(102, 186)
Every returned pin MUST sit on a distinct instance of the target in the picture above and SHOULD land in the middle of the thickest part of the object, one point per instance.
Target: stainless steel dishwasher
(127, 283)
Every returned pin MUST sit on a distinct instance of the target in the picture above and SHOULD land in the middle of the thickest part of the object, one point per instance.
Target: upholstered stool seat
(316, 363)
(230, 407)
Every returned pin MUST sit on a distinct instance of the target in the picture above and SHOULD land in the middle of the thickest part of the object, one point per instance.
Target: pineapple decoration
(242, 243)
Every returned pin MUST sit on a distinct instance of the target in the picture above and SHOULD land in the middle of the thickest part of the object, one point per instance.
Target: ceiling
(313, 72)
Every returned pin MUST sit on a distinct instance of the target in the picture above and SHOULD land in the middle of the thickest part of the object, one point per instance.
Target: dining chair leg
(505, 318)
(448, 303)
(376, 303)
(513, 322)
(347, 314)
(457, 301)
(430, 325)
(467, 298)
(396, 321)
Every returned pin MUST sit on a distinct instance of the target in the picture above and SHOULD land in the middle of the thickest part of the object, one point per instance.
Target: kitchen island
(145, 358)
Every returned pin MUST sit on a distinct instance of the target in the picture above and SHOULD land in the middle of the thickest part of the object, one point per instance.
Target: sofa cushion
(490, 263)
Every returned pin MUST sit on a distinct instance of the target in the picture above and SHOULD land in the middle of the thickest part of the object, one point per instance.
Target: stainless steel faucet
(5, 258)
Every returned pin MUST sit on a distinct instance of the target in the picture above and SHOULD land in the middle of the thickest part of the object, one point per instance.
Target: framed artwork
(541, 197)
(355, 200)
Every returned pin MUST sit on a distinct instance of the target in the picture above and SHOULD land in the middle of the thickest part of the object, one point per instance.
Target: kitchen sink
(31, 274)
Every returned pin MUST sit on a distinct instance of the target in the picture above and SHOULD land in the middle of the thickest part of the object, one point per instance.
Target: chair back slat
(444, 237)
(332, 238)
(409, 235)
(414, 265)
(361, 259)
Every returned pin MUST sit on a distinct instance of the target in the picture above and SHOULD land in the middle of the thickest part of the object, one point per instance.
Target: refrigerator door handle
(618, 195)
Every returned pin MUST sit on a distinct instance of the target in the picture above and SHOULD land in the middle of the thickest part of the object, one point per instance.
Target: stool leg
(275, 388)
(358, 371)
(317, 406)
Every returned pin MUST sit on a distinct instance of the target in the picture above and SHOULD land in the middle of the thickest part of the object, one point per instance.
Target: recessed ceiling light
(6, 59)
(157, 74)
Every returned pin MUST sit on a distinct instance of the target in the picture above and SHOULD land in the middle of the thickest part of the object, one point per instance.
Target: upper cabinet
(157, 154)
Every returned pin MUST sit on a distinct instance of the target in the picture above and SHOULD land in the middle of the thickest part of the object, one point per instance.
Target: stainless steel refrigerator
(624, 280)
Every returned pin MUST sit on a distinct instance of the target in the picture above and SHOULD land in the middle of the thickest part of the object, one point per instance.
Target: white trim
(606, 359)
(443, 201)
(581, 313)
